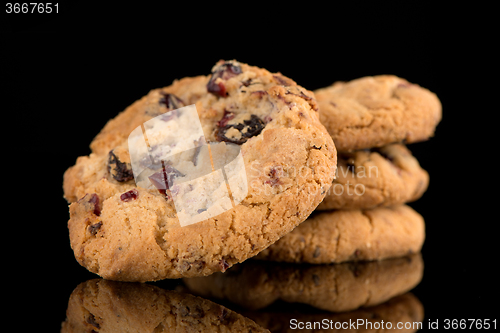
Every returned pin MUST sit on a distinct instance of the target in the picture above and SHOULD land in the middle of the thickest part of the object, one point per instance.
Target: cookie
(109, 306)
(335, 287)
(351, 235)
(368, 178)
(377, 110)
(404, 310)
(128, 231)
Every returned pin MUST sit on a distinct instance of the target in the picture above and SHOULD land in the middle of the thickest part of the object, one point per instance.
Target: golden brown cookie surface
(370, 178)
(377, 110)
(351, 235)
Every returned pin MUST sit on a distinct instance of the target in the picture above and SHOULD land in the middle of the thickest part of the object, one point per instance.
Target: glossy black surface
(64, 78)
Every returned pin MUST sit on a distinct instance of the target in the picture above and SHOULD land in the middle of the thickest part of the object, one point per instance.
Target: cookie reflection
(402, 313)
(335, 287)
(108, 306)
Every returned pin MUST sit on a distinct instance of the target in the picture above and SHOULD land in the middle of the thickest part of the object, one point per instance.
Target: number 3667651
(31, 8)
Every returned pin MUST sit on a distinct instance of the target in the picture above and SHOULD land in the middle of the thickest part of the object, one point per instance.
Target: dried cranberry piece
(224, 71)
(158, 180)
(129, 195)
(217, 88)
(91, 320)
(223, 265)
(274, 175)
(166, 175)
(283, 80)
(171, 101)
(300, 94)
(259, 93)
(94, 228)
(247, 82)
(91, 202)
(120, 171)
(198, 143)
(247, 129)
(94, 200)
(225, 118)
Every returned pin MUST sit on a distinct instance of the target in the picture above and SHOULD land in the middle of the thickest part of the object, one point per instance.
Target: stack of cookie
(126, 226)
(363, 225)
(364, 216)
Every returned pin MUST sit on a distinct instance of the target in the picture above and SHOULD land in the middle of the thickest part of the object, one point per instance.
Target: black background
(64, 75)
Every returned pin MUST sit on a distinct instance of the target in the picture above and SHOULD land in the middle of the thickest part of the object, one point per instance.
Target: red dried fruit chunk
(284, 81)
(91, 320)
(91, 202)
(94, 228)
(217, 88)
(171, 101)
(223, 315)
(274, 175)
(161, 178)
(129, 195)
(225, 118)
(224, 71)
(223, 265)
(94, 200)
